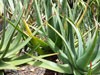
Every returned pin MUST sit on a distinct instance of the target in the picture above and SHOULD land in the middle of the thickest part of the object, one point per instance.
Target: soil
(33, 70)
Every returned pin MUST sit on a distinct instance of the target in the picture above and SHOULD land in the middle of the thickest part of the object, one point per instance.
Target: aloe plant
(63, 34)
(76, 47)
(13, 37)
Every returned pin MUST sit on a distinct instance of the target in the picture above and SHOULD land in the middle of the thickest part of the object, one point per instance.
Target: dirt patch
(33, 70)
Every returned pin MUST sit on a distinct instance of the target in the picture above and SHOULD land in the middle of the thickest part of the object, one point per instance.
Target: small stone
(32, 69)
(22, 68)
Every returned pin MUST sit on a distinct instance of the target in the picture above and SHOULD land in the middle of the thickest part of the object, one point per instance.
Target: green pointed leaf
(80, 50)
(96, 49)
(83, 61)
(51, 65)
(4, 65)
(62, 55)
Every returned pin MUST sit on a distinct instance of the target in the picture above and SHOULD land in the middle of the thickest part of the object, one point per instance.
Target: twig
(78, 23)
